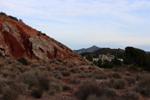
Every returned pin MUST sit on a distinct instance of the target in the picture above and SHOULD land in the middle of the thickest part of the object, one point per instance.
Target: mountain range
(90, 49)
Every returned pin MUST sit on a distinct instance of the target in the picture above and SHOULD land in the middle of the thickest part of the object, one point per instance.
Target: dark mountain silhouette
(90, 49)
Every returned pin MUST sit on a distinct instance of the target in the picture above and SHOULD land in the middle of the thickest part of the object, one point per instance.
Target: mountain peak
(90, 49)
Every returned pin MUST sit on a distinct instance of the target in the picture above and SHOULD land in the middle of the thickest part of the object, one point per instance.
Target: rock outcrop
(20, 40)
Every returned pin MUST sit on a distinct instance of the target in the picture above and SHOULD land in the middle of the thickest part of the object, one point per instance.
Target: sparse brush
(75, 70)
(35, 65)
(66, 87)
(130, 96)
(130, 80)
(74, 80)
(143, 86)
(37, 92)
(10, 94)
(117, 84)
(86, 89)
(65, 73)
(115, 75)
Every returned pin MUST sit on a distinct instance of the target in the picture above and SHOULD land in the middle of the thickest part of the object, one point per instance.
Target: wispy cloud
(91, 21)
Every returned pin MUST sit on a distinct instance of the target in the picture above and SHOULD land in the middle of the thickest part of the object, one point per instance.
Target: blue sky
(83, 23)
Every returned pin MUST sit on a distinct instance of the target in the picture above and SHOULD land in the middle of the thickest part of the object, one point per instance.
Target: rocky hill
(91, 49)
(20, 40)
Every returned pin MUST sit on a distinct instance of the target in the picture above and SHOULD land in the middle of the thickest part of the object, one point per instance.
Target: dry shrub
(10, 94)
(115, 75)
(55, 84)
(130, 96)
(66, 87)
(99, 74)
(18, 87)
(37, 92)
(87, 89)
(35, 65)
(75, 70)
(74, 80)
(29, 78)
(143, 86)
(2, 84)
(5, 73)
(130, 80)
(65, 73)
(57, 74)
(117, 84)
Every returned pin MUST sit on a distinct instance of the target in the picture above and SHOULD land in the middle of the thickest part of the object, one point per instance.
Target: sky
(83, 23)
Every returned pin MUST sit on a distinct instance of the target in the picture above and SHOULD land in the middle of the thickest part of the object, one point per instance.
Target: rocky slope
(20, 40)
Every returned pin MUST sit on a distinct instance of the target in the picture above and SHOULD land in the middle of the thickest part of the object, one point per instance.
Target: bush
(74, 80)
(130, 96)
(75, 70)
(130, 80)
(65, 73)
(87, 89)
(37, 92)
(35, 65)
(117, 84)
(66, 87)
(116, 75)
(143, 86)
(10, 94)
(23, 60)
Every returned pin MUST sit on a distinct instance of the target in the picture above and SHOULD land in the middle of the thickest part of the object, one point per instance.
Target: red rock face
(20, 40)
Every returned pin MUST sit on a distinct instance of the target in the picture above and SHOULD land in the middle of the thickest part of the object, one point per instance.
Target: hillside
(20, 40)
(84, 50)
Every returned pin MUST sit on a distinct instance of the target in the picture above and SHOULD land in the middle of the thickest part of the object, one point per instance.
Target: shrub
(35, 65)
(29, 78)
(130, 80)
(116, 75)
(23, 60)
(43, 82)
(87, 89)
(65, 73)
(10, 94)
(75, 70)
(130, 96)
(94, 97)
(143, 86)
(52, 92)
(74, 80)
(119, 84)
(66, 87)
(37, 92)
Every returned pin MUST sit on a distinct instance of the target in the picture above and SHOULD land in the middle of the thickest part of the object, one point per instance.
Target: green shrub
(23, 60)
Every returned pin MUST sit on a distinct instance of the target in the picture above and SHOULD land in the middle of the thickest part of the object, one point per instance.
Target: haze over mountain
(90, 49)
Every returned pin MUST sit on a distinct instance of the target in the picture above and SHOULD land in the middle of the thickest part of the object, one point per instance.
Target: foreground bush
(144, 86)
(130, 96)
(37, 92)
(10, 94)
(87, 89)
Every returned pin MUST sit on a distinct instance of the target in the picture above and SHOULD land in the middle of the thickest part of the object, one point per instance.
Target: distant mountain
(91, 49)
